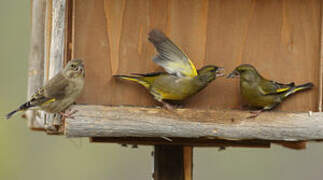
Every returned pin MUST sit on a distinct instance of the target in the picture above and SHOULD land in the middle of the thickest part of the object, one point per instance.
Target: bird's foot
(68, 114)
(254, 114)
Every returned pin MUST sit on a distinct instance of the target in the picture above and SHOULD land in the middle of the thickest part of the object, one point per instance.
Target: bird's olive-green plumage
(164, 86)
(182, 80)
(59, 92)
(260, 92)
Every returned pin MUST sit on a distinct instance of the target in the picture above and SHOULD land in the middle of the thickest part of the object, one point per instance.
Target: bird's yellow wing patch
(282, 90)
(178, 67)
(49, 101)
(271, 87)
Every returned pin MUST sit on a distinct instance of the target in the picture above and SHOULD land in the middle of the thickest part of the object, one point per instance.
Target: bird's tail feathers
(299, 88)
(8, 116)
(23, 107)
(304, 86)
(133, 78)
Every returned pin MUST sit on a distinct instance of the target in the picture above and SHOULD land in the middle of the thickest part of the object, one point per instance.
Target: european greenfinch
(59, 92)
(261, 93)
(181, 81)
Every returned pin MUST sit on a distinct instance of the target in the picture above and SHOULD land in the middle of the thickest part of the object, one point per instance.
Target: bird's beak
(80, 68)
(220, 72)
(233, 74)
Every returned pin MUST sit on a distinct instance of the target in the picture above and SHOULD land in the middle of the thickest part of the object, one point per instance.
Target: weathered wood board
(109, 121)
(281, 38)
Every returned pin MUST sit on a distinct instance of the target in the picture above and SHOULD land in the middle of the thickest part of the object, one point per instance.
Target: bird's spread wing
(272, 87)
(170, 57)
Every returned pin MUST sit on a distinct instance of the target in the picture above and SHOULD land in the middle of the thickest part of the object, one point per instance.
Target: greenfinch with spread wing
(59, 92)
(261, 93)
(181, 79)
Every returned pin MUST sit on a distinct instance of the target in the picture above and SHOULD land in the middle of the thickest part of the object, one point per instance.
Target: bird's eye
(73, 66)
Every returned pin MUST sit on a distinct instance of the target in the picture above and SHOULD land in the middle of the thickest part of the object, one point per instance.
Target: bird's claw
(68, 114)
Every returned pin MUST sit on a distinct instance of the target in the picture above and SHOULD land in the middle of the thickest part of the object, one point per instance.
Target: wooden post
(172, 162)
(188, 162)
(36, 57)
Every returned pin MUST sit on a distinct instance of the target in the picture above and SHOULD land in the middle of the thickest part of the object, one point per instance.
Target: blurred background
(27, 154)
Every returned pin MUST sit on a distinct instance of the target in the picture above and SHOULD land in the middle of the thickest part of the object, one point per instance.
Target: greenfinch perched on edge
(59, 92)
(181, 81)
(261, 93)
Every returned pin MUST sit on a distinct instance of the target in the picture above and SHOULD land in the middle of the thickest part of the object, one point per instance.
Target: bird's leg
(167, 106)
(255, 113)
(68, 114)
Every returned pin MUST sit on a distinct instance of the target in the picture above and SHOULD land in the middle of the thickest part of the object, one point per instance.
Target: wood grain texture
(57, 38)
(56, 49)
(188, 162)
(36, 57)
(48, 36)
(105, 121)
(112, 38)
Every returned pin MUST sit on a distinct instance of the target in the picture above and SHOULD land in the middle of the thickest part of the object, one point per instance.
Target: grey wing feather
(170, 57)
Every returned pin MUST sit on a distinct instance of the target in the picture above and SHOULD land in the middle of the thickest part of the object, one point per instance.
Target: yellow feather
(297, 89)
(145, 84)
(49, 101)
(194, 73)
(282, 89)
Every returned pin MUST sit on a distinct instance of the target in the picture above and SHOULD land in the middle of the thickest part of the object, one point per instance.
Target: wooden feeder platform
(283, 39)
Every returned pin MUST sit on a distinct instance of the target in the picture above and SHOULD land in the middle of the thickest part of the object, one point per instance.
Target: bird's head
(210, 72)
(245, 71)
(74, 69)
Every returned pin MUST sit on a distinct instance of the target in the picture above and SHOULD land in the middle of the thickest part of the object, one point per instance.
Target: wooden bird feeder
(282, 39)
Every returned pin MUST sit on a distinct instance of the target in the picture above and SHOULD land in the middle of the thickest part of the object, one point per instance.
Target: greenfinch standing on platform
(181, 81)
(59, 92)
(261, 93)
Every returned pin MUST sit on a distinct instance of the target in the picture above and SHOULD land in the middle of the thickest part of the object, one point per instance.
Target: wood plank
(106, 121)
(58, 38)
(48, 36)
(90, 15)
(36, 57)
(55, 63)
(112, 38)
